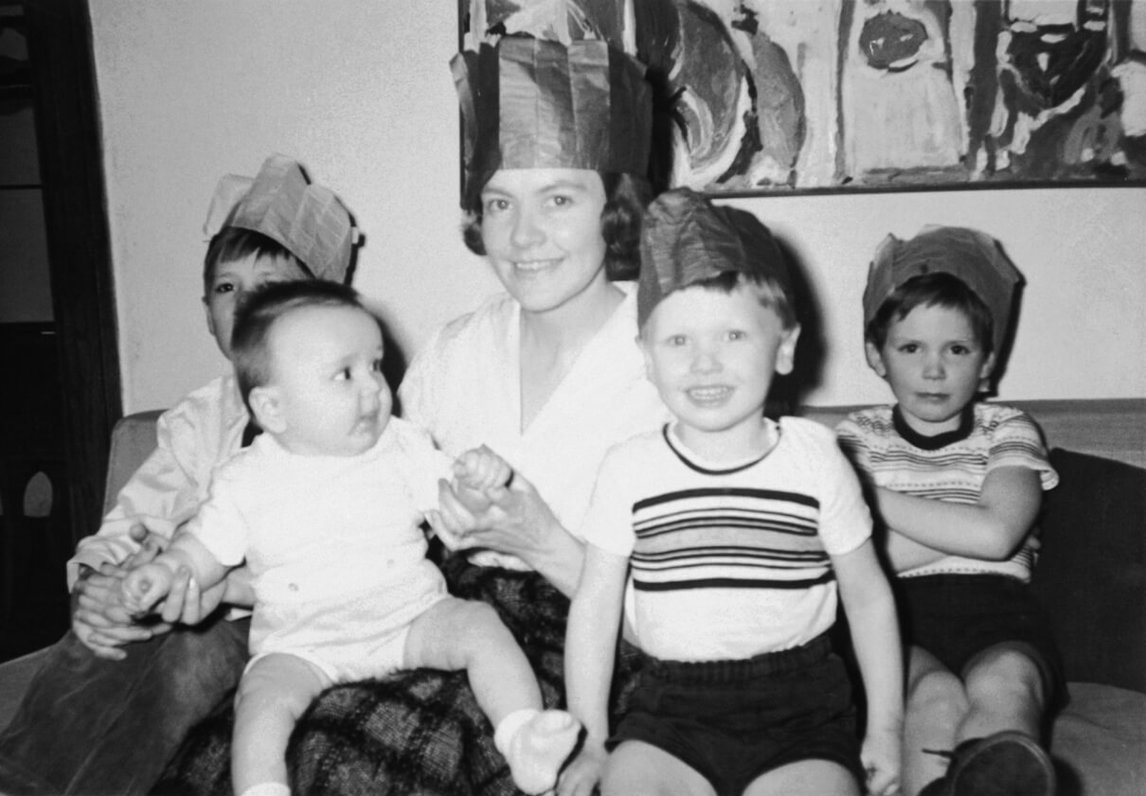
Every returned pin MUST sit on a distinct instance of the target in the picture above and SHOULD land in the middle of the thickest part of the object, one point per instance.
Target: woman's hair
(626, 197)
(257, 315)
(236, 243)
(937, 289)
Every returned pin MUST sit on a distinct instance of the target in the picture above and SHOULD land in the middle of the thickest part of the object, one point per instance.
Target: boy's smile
(934, 364)
(712, 356)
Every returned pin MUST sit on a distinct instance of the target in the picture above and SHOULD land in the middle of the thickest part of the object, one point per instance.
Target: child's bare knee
(937, 692)
(1005, 672)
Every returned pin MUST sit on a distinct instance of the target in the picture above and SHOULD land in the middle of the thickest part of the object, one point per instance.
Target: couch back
(1091, 574)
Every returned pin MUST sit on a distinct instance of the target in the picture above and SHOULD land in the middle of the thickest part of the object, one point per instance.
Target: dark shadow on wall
(788, 392)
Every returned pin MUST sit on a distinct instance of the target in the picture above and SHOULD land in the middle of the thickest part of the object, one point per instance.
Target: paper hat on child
(308, 220)
(971, 256)
(533, 103)
(687, 239)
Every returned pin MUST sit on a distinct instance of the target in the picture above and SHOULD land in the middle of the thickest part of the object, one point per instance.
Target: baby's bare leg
(272, 695)
(461, 634)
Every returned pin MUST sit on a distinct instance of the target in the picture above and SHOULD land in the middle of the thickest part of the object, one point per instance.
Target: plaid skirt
(414, 733)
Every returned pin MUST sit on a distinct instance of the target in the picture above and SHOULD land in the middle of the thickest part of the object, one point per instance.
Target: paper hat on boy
(534, 103)
(687, 239)
(308, 220)
(966, 254)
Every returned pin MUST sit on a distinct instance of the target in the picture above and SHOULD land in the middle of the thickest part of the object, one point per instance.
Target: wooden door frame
(79, 250)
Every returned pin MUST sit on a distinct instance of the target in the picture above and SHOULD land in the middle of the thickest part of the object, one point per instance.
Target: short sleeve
(609, 521)
(845, 520)
(851, 441)
(1017, 442)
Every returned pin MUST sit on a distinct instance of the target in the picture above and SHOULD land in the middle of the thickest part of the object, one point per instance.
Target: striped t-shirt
(951, 467)
(728, 562)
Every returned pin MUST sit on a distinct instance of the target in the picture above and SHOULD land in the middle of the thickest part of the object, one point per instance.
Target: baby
(325, 509)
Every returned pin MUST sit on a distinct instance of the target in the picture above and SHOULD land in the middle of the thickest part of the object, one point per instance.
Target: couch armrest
(132, 441)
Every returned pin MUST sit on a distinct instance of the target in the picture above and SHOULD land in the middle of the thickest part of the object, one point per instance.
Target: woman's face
(541, 229)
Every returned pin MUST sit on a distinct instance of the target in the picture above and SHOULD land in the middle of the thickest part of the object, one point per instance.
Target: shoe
(1004, 764)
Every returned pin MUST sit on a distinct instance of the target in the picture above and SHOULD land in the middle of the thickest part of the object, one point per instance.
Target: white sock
(536, 744)
(267, 789)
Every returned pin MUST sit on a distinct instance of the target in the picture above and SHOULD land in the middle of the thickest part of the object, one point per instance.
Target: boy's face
(934, 364)
(326, 395)
(711, 356)
(233, 281)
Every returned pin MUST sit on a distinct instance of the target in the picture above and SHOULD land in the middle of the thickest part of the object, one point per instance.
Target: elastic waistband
(735, 671)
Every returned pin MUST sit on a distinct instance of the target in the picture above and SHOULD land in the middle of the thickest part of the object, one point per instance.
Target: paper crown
(308, 220)
(687, 239)
(971, 256)
(534, 103)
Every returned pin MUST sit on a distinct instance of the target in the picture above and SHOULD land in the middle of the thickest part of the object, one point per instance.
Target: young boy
(733, 534)
(957, 483)
(325, 508)
(127, 691)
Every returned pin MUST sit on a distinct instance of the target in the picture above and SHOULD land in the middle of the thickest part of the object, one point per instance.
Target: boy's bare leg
(1005, 689)
(805, 778)
(936, 707)
(272, 695)
(636, 767)
(461, 634)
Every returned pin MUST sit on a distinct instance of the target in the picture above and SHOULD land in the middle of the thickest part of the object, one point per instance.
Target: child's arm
(590, 652)
(149, 583)
(478, 474)
(870, 609)
(990, 529)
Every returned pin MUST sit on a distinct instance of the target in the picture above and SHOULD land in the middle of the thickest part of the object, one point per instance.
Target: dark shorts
(733, 721)
(956, 617)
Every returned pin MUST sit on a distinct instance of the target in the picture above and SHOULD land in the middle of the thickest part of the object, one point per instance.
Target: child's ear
(644, 346)
(210, 318)
(985, 372)
(786, 353)
(264, 402)
(875, 359)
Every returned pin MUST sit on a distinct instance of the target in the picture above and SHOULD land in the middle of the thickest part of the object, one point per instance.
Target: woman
(548, 375)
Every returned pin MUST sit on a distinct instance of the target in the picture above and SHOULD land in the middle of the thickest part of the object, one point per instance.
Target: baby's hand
(145, 586)
(481, 470)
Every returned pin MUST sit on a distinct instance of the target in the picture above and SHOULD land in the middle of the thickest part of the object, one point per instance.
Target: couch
(1092, 577)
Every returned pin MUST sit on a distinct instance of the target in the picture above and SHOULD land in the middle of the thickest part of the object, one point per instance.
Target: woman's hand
(518, 522)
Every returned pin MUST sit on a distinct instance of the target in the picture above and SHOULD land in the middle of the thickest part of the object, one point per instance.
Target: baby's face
(326, 381)
(934, 362)
(233, 281)
(712, 356)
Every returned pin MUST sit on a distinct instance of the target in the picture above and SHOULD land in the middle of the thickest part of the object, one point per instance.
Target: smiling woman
(547, 374)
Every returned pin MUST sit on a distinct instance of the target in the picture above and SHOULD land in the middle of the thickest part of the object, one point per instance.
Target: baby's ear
(264, 402)
(875, 359)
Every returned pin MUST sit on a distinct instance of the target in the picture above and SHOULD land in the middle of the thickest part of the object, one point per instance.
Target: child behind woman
(739, 532)
(958, 484)
(127, 690)
(325, 508)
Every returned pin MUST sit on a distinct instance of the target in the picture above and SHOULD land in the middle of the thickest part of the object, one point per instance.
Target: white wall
(359, 91)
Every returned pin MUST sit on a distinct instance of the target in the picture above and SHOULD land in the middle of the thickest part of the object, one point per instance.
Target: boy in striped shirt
(957, 483)
(734, 536)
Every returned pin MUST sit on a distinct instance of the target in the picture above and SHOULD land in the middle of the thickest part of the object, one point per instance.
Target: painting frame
(794, 97)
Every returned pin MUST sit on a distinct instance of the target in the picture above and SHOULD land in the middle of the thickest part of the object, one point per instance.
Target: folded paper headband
(686, 239)
(533, 103)
(308, 220)
(966, 254)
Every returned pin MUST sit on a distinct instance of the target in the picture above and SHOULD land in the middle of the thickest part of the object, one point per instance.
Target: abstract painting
(783, 96)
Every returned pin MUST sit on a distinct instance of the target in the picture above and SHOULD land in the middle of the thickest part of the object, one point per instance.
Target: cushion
(1091, 574)
(1099, 742)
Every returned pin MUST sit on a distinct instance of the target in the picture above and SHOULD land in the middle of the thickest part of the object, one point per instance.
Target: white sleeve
(609, 521)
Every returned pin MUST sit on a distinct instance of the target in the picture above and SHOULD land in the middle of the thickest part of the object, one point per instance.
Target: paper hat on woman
(971, 256)
(686, 239)
(308, 220)
(534, 103)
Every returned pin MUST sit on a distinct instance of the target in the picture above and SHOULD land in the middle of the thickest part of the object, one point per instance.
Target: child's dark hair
(256, 316)
(937, 289)
(236, 243)
(626, 197)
